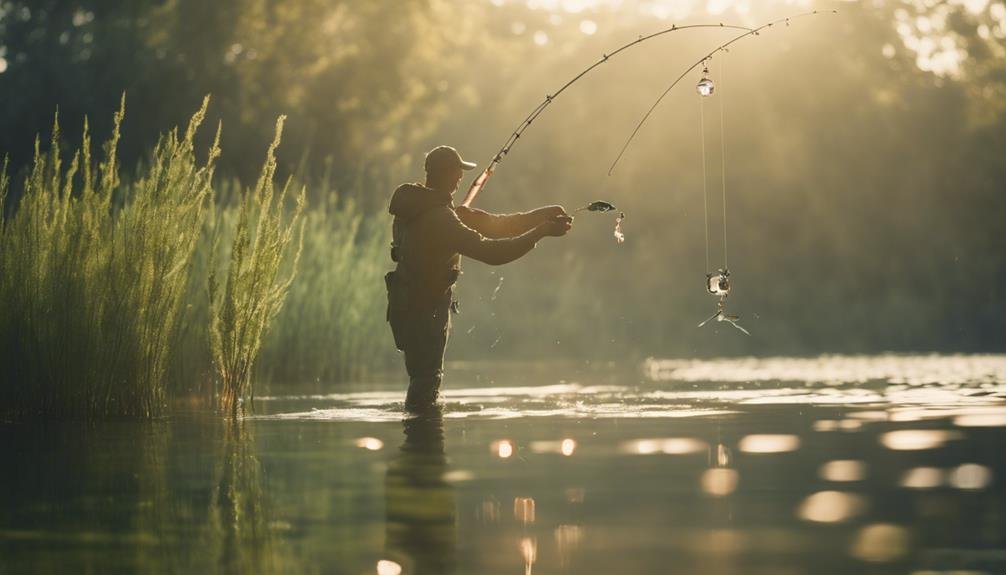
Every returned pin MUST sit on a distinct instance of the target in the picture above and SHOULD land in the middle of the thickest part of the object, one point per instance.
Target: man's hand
(557, 225)
(549, 212)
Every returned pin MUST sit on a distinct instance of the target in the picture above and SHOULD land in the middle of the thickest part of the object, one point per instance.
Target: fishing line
(723, 168)
(705, 195)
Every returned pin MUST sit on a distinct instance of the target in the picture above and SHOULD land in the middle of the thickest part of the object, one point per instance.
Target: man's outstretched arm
(506, 225)
(498, 251)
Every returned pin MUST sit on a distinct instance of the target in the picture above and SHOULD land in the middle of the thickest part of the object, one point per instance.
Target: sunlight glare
(769, 443)
(843, 470)
(567, 539)
(880, 543)
(529, 551)
(523, 509)
(831, 507)
(502, 448)
(719, 481)
(568, 446)
(922, 478)
(370, 443)
(916, 439)
(386, 567)
(971, 476)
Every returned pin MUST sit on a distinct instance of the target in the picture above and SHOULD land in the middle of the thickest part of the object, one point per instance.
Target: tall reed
(253, 291)
(94, 274)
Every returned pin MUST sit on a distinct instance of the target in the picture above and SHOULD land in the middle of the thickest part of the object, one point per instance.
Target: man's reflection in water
(419, 503)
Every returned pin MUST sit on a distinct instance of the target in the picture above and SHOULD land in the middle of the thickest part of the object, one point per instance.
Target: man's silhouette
(430, 235)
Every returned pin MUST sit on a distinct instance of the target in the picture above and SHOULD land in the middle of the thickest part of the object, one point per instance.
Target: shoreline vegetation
(118, 293)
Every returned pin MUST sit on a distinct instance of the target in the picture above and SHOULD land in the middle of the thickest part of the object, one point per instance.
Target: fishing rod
(481, 180)
(721, 48)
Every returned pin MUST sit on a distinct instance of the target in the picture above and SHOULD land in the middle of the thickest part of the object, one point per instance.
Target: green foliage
(254, 289)
(332, 325)
(92, 288)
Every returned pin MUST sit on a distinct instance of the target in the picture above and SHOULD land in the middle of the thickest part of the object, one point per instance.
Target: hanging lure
(718, 284)
(619, 236)
(601, 206)
(721, 315)
(597, 206)
(705, 87)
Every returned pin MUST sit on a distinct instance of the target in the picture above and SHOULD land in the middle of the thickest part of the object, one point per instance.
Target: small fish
(619, 236)
(597, 206)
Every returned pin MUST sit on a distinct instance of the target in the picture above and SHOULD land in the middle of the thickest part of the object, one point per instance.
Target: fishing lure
(601, 206)
(718, 284)
(721, 315)
(705, 87)
(597, 206)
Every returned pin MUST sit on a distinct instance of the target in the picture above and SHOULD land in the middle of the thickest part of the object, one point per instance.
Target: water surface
(887, 464)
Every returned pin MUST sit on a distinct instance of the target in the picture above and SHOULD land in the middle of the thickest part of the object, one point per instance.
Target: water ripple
(969, 389)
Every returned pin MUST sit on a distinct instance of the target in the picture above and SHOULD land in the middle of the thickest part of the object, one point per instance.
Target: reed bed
(116, 295)
(94, 274)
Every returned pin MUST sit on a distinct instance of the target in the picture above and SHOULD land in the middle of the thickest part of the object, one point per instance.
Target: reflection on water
(420, 508)
(604, 475)
(131, 497)
(922, 478)
(880, 543)
(371, 443)
(567, 542)
(523, 510)
(238, 525)
(971, 476)
(719, 482)
(831, 507)
(502, 448)
(843, 470)
(529, 552)
(769, 443)
(914, 439)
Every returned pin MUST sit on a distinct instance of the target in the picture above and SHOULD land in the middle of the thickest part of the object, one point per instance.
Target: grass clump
(94, 274)
(255, 285)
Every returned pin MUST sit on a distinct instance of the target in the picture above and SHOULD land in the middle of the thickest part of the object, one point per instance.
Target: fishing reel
(718, 284)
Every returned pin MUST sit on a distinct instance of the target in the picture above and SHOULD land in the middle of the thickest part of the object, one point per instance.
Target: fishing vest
(405, 292)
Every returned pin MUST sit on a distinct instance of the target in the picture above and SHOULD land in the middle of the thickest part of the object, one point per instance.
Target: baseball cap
(443, 157)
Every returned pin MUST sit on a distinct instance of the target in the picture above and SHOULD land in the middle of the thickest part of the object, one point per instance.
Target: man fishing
(429, 236)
